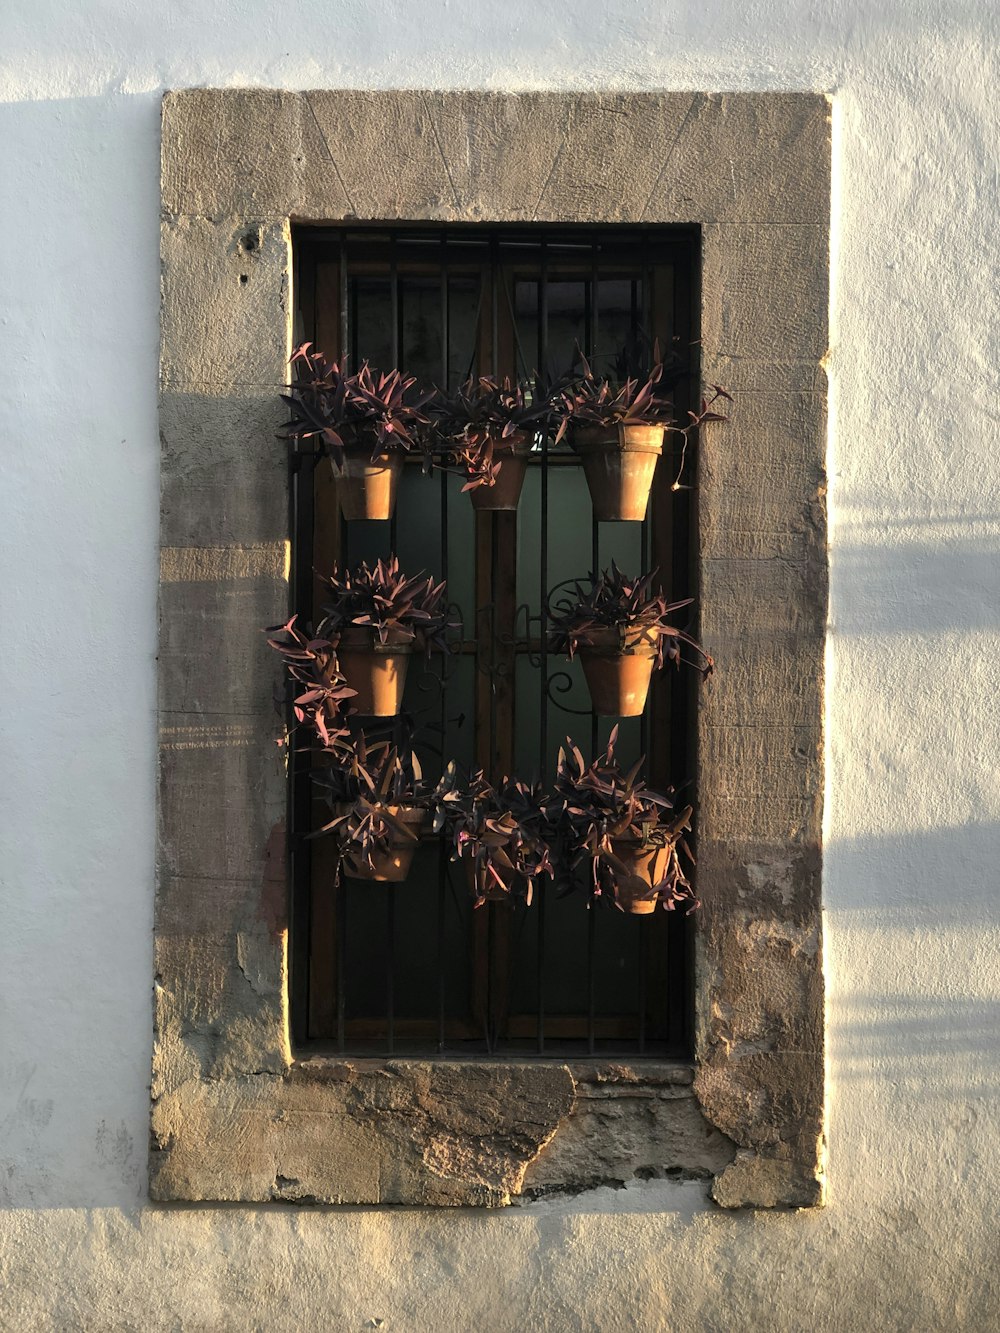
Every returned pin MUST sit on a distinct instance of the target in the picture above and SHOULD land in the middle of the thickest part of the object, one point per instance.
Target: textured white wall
(909, 1239)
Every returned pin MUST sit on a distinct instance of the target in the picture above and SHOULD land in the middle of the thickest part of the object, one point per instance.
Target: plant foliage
(630, 605)
(598, 805)
(380, 597)
(371, 410)
(499, 831)
(474, 425)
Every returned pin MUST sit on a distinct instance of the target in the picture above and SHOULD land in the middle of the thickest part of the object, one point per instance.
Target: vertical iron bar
(591, 938)
(494, 305)
(396, 353)
(543, 710)
(445, 315)
(341, 942)
(442, 850)
(595, 560)
(345, 323)
(345, 352)
(647, 292)
(442, 904)
(543, 313)
(540, 959)
(641, 979)
(490, 976)
(302, 463)
(394, 297)
(390, 949)
(300, 888)
(594, 288)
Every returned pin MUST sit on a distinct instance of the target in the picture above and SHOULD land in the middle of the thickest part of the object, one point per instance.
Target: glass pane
(371, 322)
(567, 298)
(526, 327)
(463, 331)
(619, 313)
(420, 326)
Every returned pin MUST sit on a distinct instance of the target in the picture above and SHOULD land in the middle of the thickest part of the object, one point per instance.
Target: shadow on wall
(945, 878)
(939, 1049)
(918, 576)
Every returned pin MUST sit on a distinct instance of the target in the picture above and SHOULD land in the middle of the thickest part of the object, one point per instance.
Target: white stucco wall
(909, 1240)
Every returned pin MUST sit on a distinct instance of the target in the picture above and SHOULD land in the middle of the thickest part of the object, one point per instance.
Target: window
(240, 168)
(381, 969)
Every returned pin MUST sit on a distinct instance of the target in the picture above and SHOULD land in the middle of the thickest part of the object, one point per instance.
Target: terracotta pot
(366, 486)
(392, 865)
(648, 865)
(376, 670)
(619, 464)
(618, 667)
(512, 455)
(484, 887)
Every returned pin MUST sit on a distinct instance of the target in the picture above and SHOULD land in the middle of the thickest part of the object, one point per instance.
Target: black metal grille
(380, 969)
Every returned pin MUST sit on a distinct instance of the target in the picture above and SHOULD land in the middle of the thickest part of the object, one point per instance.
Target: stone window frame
(235, 1116)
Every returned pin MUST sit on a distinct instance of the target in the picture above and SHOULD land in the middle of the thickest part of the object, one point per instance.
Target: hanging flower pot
(375, 616)
(618, 666)
(367, 485)
(630, 836)
(366, 422)
(643, 867)
(387, 860)
(486, 427)
(509, 458)
(619, 626)
(498, 832)
(619, 463)
(376, 670)
(379, 809)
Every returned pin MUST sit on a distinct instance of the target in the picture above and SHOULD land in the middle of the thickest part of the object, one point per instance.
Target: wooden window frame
(663, 259)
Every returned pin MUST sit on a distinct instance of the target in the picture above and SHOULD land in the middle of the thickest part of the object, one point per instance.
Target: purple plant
(366, 790)
(498, 831)
(382, 598)
(473, 423)
(322, 697)
(629, 604)
(598, 805)
(371, 410)
(585, 400)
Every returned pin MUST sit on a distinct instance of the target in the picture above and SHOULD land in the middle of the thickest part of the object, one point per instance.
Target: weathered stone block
(222, 795)
(764, 994)
(220, 1009)
(746, 598)
(603, 171)
(628, 1127)
(360, 1132)
(710, 176)
(266, 153)
(777, 881)
(500, 150)
(761, 480)
(224, 308)
(758, 1097)
(766, 326)
(387, 153)
(777, 675)
(780, 761)
(215, 603)
(755, 1181)
(754, 817)
(224, 471)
